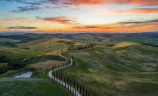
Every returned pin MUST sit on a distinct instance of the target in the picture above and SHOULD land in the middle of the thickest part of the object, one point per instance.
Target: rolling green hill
(122, 71)
(33, 87)
(119, 65)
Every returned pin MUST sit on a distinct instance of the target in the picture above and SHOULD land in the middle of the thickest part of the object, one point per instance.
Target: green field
(3, 65)
(37, 50)
(121, 71)
(119, 65)
(47, 45)
(30, 87)
(16, 53)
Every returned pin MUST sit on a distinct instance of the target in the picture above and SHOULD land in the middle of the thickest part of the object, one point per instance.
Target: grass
(3, 42)
(148, 89)
(35, 87)
(15, 53)
(23, 45)
(129, 68)
(136, 39)
(140, 55)
(4, 45)
(3, 65)
(8, 39)
(102, 71)
(51, 46)
(123, 44)
(9, 73)
(40, 73)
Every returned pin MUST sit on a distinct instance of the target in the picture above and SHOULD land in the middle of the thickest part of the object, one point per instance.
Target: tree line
(79, 47)
(13, 64)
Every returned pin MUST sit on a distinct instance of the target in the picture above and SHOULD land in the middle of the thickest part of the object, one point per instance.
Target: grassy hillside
(3, 65)
(47, 45)
(120, 65)
(15, 53)
(30, 87)
(134, 38)
(107, 71)
(34, 42)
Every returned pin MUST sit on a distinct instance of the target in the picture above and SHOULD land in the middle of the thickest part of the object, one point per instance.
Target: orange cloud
(127, 11)
(150, 25)
(101, 2)
(22, 19)
(85, 27)
(137, 10)
(12, 19)
(59, 19)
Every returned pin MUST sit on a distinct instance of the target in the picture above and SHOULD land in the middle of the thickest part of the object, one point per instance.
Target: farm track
(73, 90)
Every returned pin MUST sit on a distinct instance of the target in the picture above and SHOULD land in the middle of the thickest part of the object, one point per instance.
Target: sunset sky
(79, 15)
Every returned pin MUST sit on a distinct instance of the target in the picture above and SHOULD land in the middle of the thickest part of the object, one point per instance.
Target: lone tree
(46, 71)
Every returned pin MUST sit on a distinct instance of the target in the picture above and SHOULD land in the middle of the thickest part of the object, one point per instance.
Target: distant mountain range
(22, 33)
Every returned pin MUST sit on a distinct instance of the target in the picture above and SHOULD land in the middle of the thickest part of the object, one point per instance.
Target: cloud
(90, 2)
(26, 8)
(104, 11)
(137, 10)
(13, 19)
(139, 22)
(21, 27)
(85, 27)
(30, 3)
(5, 15)
(148, 25)
(57, 7)
(77, 2)
(22, 19)
(103, 2)
(59, 19)
(26, 2)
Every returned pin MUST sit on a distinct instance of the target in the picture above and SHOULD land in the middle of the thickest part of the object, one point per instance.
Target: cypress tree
(68, 82)
(61, 79)
(83, 91)
(65, 82)
(80, 88)
(77, 85)
(70, 85)
(74, 83)
(46, 71)
(53, 67)
(54, 75)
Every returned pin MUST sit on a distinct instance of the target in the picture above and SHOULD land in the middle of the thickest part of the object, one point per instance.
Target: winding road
(73, 90)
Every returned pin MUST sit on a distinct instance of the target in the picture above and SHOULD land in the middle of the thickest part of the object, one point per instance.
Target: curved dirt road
(74, 91)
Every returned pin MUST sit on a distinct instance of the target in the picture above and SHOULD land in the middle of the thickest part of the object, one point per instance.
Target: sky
(79, 15)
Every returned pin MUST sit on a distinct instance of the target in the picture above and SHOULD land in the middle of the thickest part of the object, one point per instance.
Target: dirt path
(49, 64)
(73, 90)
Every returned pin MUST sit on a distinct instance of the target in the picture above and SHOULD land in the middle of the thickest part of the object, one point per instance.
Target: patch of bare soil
(49, 64)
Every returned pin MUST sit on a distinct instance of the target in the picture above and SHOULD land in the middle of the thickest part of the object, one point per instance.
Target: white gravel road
(74, 91)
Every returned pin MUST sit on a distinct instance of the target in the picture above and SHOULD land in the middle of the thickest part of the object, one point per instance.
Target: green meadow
(16, 53)
(119, 65)
(3, 65)
(104, 72)
(126, 68)
(33, 87)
